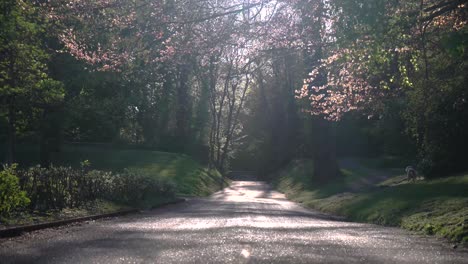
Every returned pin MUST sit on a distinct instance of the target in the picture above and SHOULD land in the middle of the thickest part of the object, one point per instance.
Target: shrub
(11, 196)
(132, 186)
(51, 188)
(60, 187)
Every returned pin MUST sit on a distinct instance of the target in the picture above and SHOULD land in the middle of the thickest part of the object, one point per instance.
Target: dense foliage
(246, 83)
(11, 196)
(27, 92)
(402, 64)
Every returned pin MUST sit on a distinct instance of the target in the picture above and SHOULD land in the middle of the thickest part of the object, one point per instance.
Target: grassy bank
(383, 196)
(189, 177)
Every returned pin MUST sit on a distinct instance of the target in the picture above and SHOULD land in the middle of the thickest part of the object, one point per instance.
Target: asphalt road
(246, 223)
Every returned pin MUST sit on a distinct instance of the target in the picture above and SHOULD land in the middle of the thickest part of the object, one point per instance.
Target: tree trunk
(233, 120)
(44, 145)
(11, 134)
(324, 152)
(222, 102)
(212, 86)
(183, 106)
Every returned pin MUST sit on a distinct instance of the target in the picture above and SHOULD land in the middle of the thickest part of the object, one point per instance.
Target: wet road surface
(246, 223)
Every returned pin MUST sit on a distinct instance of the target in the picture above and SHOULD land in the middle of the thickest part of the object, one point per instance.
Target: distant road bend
(245, 223)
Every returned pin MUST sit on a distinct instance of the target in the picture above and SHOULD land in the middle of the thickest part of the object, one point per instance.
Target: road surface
(246, 223)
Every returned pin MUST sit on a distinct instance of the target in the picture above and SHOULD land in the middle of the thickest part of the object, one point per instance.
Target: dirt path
(373, 175)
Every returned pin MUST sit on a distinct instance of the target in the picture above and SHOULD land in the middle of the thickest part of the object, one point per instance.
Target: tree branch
(444, 8)
(213, 16)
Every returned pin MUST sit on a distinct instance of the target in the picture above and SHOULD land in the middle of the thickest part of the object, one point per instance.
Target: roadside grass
(435, 207)
(190, 178)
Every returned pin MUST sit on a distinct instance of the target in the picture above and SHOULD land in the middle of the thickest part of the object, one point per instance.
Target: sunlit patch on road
(245, 253)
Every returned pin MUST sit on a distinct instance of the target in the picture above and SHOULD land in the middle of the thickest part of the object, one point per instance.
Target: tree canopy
(251, 83)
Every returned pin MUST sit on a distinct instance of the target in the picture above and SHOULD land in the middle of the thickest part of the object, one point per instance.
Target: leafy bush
(60, 187)
(54, 187)
(131, 186)
(11, 196)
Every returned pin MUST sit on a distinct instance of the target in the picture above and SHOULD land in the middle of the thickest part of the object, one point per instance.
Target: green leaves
(49, 91)
(456, 43)
(26, 89)
(24, 62)
(11, 196)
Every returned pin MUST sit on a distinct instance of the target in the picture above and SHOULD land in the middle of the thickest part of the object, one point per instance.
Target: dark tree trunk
(183, 106)
(326, 167)
(212, 86)
(323, 149)
(11, 134)
(233, 119)
(222, 102)
(44, 152)
(50, 133)
(165, 107)
(11, 101)
(44, 145)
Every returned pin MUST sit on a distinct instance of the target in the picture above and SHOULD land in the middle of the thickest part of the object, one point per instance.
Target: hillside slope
(437, 207)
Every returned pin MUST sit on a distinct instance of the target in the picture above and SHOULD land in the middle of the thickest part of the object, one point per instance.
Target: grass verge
(435, 207)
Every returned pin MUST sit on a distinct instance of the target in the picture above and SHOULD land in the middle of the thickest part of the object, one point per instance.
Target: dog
(411, 173)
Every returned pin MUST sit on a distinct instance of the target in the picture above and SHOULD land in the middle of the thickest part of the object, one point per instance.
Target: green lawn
(437, 207)
(190, 177)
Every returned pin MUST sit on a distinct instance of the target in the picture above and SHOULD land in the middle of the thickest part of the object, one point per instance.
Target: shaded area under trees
(251, 84)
